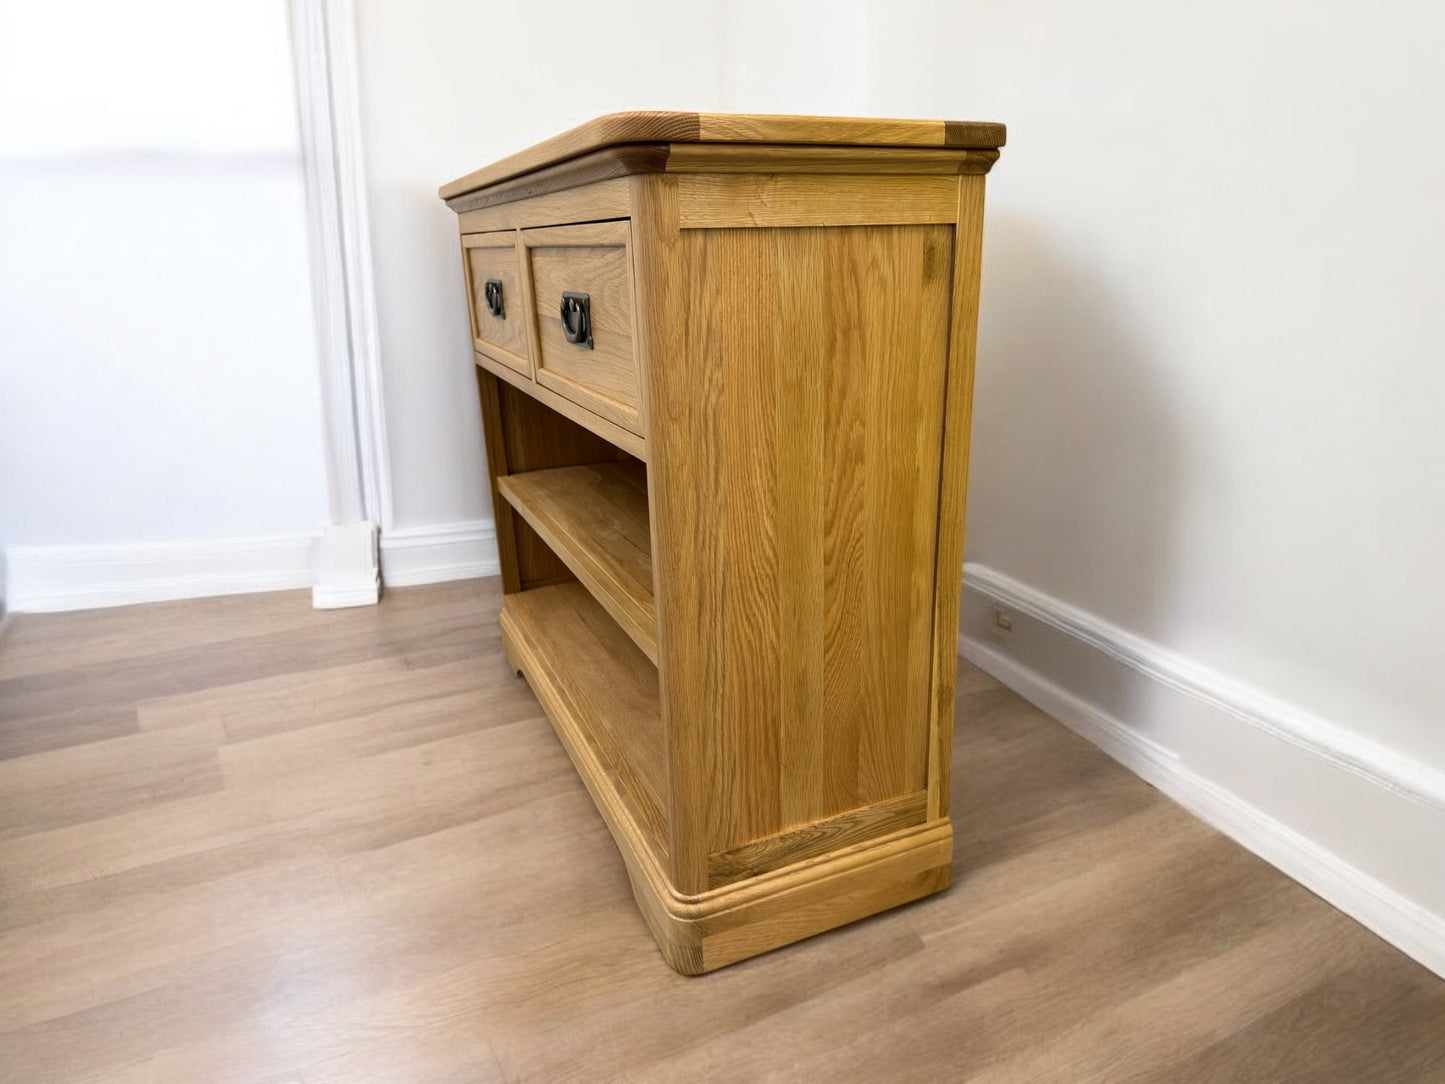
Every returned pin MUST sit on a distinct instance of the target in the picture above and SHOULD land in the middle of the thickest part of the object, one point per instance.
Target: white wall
(442, 94)
(158, 375)
(449, 87)
(167, 397)
(1212, 331)
(1210, 370)
(792, 57)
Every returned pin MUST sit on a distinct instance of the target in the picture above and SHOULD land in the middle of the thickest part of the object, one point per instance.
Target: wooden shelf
(600, 691)
(595, 519)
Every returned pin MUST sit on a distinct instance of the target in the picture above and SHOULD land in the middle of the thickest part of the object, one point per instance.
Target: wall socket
(1002, 620)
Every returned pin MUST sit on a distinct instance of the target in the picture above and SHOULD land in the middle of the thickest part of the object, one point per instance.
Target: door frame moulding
(328, 100)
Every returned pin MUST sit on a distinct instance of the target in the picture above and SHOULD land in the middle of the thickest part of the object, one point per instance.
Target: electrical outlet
(1002, 620)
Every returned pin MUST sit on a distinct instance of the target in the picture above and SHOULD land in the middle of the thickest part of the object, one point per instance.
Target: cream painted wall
(1212, 343)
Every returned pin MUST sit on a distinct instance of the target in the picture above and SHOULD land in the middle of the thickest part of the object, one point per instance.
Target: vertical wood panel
(684, 481)
(489, 393)
(796, 382)
(904, 446)
(799, 340)
(738, 265)
(953, 485)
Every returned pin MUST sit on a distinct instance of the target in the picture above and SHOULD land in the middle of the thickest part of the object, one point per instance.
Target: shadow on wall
(1077, 466)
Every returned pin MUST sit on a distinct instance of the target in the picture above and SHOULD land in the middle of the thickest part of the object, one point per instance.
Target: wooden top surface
(651, 127)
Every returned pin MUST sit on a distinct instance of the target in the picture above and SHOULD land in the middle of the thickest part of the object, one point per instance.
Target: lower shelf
(609, 688)
(601, 695)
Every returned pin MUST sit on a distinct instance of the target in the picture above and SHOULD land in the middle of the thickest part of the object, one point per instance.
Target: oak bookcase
(725, 366)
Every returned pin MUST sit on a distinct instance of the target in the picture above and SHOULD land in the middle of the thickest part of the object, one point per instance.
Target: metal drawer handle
(577, 318)
(493, 290)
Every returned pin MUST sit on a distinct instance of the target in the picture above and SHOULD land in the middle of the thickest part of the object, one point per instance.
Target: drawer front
(497, 299)
(588, 355)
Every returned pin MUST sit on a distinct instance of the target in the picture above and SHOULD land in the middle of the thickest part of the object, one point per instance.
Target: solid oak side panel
(953, 485)
(685, 628)
(795, 390)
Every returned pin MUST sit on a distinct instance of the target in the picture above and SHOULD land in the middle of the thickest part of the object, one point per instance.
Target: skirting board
(49, 578)
(347, 571)
(433, 554)
(41, 579)
(1360, 826)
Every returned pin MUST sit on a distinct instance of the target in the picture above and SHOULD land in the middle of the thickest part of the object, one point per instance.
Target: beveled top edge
(661, 127)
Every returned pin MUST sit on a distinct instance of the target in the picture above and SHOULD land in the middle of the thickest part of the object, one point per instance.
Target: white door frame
(358, 472)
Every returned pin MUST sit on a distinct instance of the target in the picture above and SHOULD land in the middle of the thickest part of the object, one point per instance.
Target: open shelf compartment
(601, 695)
(594, 517)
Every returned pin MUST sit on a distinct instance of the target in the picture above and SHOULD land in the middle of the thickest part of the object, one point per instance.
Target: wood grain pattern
(521, 555)
(819, 837)
(428, 894)
(599, 165)
(608, 686)
(788, 311)
(591, 203)
(953, 485)
(775, 909)
(524, 435)
(721, 201)
(809, 490)
(493, 256)
(847, 131)
(704, 931)
(537, 438)
(792, 158)
(662, 127)
(594, 259)
(623, 161)
(611, 432)
(595, 519)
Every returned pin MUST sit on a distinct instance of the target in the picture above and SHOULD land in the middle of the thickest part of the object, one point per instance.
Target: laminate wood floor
(242, 840)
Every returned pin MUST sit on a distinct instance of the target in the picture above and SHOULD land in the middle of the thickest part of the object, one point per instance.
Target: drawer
(587, 355)
(496, 298)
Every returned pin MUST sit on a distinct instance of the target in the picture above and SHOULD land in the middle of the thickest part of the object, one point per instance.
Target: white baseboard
(50, 578)
(1360, 825)
(347, 572)
(433, 554)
